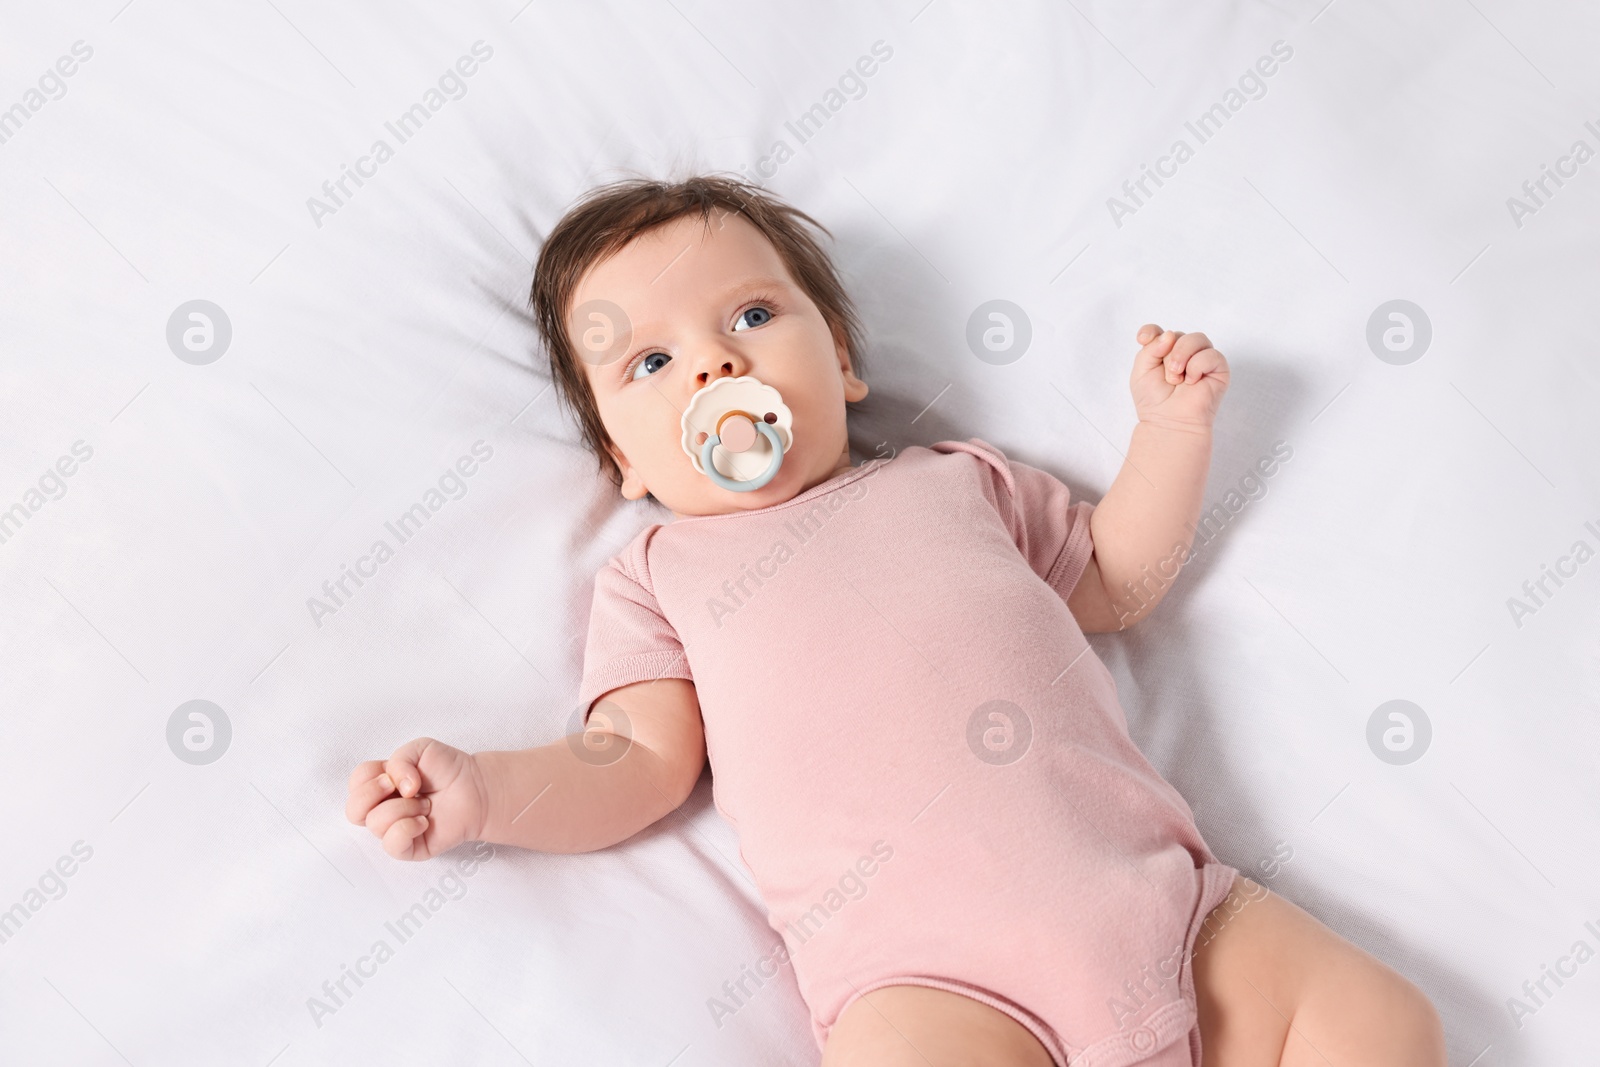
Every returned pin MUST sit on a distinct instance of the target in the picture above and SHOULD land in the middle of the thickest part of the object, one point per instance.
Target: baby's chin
(695, 495)
(714, 501)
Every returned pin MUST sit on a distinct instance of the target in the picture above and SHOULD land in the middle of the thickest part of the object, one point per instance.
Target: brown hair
(607, 217)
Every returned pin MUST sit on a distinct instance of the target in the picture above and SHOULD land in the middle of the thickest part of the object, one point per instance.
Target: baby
(966, 857)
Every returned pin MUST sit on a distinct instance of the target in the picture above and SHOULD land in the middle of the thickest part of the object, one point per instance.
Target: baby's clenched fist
(1178, 378)
(425, 799)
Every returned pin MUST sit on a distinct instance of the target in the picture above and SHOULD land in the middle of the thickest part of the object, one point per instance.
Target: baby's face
(703, 305)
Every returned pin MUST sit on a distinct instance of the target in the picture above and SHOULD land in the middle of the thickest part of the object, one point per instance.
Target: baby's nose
(706, 377)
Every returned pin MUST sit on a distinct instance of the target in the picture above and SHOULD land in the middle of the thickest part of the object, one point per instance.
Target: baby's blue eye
(650, 364)
(753, 317)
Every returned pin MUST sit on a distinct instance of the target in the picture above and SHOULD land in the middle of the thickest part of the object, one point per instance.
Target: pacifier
(736, 431)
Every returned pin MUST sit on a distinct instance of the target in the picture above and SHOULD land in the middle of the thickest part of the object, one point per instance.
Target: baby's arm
(598, 788)
(1142, 529)
(638, 759)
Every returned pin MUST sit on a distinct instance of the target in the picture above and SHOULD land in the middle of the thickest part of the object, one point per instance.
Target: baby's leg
(916, 1026)
(1276, 988)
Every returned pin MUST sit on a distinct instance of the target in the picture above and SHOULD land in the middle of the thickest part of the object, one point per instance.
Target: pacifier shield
(730, 408)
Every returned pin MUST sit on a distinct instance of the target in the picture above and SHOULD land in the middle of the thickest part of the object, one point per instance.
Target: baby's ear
(632, 487)
(854, 388)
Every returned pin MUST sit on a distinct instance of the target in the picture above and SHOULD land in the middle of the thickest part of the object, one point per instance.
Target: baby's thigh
(1276, 987)
(916, 1026)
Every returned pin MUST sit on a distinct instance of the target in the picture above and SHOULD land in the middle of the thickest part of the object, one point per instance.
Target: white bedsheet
(376, 337)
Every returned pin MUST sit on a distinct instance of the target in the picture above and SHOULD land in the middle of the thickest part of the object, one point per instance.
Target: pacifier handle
(712, 441)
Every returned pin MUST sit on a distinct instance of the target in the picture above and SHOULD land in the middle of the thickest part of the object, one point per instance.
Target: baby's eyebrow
(759, 282)
(744, 285)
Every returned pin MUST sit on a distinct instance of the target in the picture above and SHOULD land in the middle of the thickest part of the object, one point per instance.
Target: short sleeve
(629, 638)
(1049, 528)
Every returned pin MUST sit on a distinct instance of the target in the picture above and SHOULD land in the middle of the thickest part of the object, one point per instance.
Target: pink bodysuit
(926, 764)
